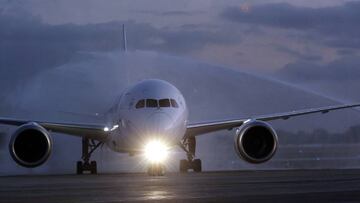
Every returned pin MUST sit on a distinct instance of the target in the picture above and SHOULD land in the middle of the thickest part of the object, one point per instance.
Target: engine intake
(256, 141)
(30, 145)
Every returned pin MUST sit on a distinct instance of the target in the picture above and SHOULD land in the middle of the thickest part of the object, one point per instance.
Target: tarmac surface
(232, 186)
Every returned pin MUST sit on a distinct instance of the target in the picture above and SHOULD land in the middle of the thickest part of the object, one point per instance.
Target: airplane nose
(159, 123)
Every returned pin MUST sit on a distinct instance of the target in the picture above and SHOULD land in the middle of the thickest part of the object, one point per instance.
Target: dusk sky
(253, 35)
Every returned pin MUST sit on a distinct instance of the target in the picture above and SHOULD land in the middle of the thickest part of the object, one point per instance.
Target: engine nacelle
(30, 145)
(256, 141)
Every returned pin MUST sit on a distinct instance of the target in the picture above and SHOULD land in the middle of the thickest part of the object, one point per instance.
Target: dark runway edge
(231, 186)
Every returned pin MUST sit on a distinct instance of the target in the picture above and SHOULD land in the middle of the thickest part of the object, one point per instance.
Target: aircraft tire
(196, 165)
(184, 166)
(79, 168)
(93, 167)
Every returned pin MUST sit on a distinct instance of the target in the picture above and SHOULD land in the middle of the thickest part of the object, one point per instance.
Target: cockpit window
(164, 103)
(174, 103)
(140, 104)
(151, 103)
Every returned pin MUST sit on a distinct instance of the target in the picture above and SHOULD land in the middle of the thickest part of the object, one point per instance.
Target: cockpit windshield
(174, 103)
(140, 104)
(164, 103)
(153, 103)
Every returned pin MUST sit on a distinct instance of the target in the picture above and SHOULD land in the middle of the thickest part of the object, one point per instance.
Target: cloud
(107, 36)
(28, 45)
(284, 15)
(170, 13)
(335, 26)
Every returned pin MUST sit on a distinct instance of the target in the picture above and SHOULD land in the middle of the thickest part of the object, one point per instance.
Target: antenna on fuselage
(124, 38)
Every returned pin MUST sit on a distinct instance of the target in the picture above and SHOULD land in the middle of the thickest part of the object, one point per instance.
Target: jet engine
(255, 141)
(30, 145)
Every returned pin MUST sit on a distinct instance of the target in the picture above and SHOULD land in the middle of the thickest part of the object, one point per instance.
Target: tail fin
(124, 38)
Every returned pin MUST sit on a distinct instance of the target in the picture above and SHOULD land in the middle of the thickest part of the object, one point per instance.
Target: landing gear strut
(156, 169)
(88, 147)
(189, 146)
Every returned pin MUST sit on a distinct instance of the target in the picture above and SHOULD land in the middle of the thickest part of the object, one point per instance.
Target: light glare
(156, 151)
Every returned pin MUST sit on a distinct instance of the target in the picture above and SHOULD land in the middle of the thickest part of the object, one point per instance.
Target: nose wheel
(195, 165)
(156, 169)
(189, 146)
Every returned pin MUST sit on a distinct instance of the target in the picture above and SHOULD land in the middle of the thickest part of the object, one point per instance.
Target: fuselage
(149, 110)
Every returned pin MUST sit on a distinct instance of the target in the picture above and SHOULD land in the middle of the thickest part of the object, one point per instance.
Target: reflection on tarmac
(234, 186)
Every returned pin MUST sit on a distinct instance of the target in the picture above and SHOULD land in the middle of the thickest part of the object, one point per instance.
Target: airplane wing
(202, 128)
(96, 132)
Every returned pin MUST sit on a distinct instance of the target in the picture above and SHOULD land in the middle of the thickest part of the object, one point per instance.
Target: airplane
(150, 118)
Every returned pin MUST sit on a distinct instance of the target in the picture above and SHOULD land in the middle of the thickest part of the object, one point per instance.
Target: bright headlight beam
(156, 151)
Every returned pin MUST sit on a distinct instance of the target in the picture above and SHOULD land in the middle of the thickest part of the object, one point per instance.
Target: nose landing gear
(156, 169)
(195, 165)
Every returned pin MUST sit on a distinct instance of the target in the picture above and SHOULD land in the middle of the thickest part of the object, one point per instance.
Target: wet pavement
(232, 186)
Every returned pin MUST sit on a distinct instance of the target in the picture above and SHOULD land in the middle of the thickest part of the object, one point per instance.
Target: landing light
(156, 151)
(107, 129)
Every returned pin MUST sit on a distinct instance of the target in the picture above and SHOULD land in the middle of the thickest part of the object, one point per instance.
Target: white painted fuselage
(150, 110)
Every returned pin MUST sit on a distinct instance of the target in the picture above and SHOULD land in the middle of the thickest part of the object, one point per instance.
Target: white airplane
(151, 117)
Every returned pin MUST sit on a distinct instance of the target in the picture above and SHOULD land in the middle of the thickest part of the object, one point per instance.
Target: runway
(232, 186)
